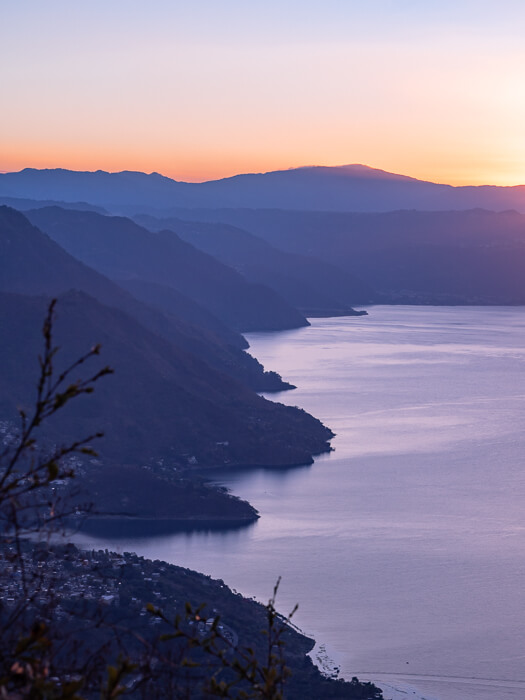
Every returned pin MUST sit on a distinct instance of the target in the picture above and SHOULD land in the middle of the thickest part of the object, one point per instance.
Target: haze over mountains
(31, 263)
(345, 188)
(308, 283)
(323, 239)
(120, 249)
(181, 392)
(169, 293)
(455, 257)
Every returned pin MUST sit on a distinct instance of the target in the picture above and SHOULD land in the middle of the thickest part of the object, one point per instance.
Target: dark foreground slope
(31, 263)
(122, 250)
(312, 285)
(99, 601)
(454, 257)
(162, 402)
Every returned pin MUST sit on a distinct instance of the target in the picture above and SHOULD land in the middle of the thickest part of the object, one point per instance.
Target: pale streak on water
(405, 548)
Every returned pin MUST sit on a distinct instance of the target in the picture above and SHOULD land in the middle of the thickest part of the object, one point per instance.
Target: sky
(203, 89)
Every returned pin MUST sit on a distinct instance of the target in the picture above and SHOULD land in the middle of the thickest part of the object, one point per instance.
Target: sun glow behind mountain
(205, 90)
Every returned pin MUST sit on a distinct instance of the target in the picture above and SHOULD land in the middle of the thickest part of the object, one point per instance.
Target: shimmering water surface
(405, 547)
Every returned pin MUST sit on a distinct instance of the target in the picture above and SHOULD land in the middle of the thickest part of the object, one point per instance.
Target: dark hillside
(122, 250)
(454, 257)
(31, 263)
(162, 402)
(311, 285)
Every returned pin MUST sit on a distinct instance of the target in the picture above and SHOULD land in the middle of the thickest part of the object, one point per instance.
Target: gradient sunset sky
(204, 89)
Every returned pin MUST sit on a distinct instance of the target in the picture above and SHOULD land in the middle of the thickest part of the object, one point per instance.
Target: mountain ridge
(31, 263)
(121, 249)
(352, 187)
(474, 256)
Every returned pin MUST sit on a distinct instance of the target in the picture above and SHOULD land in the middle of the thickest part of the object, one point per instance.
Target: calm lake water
(405, 547)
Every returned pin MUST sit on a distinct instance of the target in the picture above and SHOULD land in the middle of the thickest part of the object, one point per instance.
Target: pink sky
(204, 90)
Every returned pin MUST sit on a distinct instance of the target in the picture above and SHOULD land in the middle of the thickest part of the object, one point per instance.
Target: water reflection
(137, 529)
(406, 544)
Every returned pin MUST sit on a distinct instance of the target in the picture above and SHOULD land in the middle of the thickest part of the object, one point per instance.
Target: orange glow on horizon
(416, 91)
(198, 168)
(199, 171)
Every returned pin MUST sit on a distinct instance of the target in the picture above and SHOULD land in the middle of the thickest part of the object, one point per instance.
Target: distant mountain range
(169, 290)
(345, 188)
(320, 240)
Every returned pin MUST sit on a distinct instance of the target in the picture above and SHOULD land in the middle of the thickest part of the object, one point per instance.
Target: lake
(405, 546)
